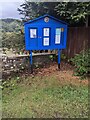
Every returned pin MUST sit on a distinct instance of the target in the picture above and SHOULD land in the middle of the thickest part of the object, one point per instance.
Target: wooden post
(31, 61)
(59, 59)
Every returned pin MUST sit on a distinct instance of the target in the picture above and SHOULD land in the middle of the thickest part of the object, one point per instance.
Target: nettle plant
(82, 63)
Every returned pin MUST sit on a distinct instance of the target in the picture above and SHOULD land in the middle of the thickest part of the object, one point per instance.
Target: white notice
(58, 37)
(33, 33)
(58, 30)
(46, 31)
(46, 42)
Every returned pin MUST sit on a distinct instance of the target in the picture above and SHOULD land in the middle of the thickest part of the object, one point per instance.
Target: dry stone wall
(10, 64)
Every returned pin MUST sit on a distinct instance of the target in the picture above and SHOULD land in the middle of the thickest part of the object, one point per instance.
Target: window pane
(46, 41)
(33, 33)
(58, 36)
(58, 31)
(46, 31)
(57, 39)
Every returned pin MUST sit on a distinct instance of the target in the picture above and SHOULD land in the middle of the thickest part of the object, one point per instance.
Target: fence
(78, 40)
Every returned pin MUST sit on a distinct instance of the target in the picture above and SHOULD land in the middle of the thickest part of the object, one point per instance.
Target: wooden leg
(59, 66)
(31, 62)
(59, 59)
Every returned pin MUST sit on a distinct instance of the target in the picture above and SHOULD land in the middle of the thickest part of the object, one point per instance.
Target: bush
(63, 56)
(13, 40)
(82, 63)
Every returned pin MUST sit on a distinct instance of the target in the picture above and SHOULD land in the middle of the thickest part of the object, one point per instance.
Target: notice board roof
(46, 15)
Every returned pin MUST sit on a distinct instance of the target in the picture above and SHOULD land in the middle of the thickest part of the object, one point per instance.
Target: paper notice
(58, 36)
(58, 31)
(57, 39)
(32, 33)
(46, 42)
(46, 31)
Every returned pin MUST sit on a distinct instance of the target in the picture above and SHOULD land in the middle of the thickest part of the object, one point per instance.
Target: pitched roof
(46, 15)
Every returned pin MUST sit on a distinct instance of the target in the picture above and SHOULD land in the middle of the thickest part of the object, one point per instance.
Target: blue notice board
(45, 32)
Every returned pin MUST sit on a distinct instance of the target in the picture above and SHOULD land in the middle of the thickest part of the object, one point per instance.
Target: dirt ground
(65, 74)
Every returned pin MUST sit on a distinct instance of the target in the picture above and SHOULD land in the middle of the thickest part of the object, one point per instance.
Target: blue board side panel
(65, 37)
(27, 44)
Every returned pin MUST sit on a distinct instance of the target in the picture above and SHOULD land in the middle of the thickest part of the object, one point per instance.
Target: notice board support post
(59, 52)
(31, 61)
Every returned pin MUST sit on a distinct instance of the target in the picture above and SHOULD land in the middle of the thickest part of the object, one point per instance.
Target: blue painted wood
(31, 57)
(46, 15)
(39, 24)
(59, 54)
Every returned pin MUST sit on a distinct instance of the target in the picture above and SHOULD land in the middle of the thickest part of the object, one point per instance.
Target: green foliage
(51, 57)
(31, 10)
(10, 30)
(63, 57)
(13, 40)
(82, 63)
(74, 11)
(10, 25)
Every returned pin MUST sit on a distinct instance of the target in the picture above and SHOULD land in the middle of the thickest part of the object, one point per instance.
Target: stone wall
(12, 64)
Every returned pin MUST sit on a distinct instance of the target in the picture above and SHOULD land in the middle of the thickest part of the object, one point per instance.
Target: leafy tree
(31, 10)
(74, 12)
(13, 40)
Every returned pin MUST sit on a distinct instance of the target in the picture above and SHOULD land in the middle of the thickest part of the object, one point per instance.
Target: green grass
(44, 97)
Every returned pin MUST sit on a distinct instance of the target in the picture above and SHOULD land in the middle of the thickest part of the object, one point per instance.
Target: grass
(44, 97)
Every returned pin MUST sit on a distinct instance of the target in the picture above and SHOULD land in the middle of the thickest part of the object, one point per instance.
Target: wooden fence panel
(78, 39)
